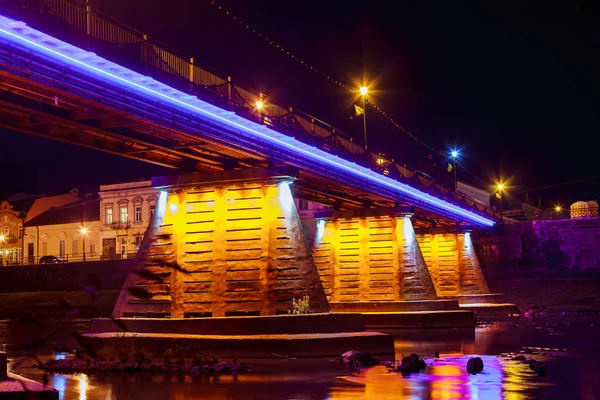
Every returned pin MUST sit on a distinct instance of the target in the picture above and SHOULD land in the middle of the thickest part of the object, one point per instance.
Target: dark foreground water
(569, 347)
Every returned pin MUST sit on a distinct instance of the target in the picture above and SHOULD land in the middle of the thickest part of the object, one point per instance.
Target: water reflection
(571, 374)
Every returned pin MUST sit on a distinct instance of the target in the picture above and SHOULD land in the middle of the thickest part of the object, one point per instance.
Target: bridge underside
(35, 108)
(41, 96)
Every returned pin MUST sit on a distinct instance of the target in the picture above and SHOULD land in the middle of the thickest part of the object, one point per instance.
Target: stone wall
(566, 243)
(63, 277)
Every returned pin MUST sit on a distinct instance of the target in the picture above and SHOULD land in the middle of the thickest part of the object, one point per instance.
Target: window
(152, 210)
(138, 213)
(92, 248)
(6, 232)
(44, 248)
(76, 248)
(20, 231)
(138, 242)
(61, 248)
(109, 215)
(124, 214)
(302, 204)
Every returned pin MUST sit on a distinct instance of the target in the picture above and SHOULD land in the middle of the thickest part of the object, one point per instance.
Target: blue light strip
(18, 33)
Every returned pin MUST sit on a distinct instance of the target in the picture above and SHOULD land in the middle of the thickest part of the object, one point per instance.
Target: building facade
(125, 212)
(70, 232)
(11, 234)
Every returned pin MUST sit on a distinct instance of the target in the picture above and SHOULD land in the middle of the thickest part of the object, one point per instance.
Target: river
(567, 345)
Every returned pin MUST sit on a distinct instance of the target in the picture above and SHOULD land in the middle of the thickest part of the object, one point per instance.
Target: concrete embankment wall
(561, 244)
(63, 277)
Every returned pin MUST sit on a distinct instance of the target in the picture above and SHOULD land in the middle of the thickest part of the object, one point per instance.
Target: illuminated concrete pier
(219, 267)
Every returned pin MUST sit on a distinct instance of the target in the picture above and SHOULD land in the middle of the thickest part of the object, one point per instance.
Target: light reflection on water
(571, 374)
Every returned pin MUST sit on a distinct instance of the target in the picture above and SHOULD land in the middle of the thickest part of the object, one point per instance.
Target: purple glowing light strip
(18, 33)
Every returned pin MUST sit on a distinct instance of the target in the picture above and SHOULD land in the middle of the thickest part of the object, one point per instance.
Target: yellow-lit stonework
(363, 259)
(242, 247)
(452, 264)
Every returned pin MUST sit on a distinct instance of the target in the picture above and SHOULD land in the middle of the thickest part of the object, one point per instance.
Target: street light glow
(1, 238)
(454, 154)
(363, 90)
(259, 105)
(83, 231)
(500, 187)
(558, 209)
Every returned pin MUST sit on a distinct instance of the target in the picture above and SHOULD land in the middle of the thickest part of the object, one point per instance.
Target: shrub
(300, 306)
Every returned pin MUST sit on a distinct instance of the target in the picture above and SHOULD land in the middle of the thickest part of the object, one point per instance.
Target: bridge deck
(53, 89)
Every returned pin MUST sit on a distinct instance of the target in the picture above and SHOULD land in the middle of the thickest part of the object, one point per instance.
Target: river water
(568, 346)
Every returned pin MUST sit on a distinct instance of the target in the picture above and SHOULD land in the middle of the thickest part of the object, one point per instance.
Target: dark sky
(514, 85)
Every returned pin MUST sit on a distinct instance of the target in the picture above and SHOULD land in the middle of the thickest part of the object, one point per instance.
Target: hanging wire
(335, 81)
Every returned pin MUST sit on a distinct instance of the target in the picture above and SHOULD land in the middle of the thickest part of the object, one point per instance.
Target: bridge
(133, 97)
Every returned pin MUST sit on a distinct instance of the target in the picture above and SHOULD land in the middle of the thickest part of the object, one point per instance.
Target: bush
(300, 306)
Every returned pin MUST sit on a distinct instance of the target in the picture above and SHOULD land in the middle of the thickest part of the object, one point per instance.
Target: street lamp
(83, 231)
(1, 249)
(558, 209)
(454, 155)
(499, 189)
(364, 91)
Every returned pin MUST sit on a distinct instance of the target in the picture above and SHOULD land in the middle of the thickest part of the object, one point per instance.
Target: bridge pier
(370, 255)
(238, 244)
(452, 262)
(218, 268)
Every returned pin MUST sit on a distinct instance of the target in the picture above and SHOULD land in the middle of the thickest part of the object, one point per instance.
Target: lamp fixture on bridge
(454, 155)
(558, 208)
(364, 91)
(259, 105)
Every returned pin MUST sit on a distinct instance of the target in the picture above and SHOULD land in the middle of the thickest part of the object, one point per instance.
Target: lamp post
(363, 92)
(83, 231)
(454, 155)
(1, 250)
(500, 189)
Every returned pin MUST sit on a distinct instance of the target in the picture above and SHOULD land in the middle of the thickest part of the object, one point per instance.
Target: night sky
(513, 85)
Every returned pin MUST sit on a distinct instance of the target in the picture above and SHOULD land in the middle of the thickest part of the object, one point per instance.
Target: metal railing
(77, 23)
(65, 258)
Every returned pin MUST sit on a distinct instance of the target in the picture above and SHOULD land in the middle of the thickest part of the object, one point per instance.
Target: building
(15, 211)
(70, 231)
(11, 234)
(125, 212)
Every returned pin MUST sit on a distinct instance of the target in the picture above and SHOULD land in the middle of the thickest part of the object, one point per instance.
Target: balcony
(120, 225)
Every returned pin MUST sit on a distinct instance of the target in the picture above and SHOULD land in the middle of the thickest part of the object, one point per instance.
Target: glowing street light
(83, 231)
(363, 90)
(259, 105)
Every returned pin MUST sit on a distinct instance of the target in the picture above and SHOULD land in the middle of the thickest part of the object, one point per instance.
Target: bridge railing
(76, 22)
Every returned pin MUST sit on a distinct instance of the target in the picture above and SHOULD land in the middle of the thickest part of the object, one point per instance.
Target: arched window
(137, 209)
(6, 231)
(152, 200)
(123, 211)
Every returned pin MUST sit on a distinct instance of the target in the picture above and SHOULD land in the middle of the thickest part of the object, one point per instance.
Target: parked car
(51, 260)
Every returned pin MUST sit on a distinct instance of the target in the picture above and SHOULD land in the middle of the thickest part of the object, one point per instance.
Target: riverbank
(47, 305)
(546, 290)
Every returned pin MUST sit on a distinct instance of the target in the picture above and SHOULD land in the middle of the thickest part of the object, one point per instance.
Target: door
(109, 248)
(30, 255)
